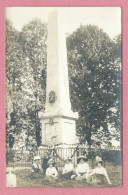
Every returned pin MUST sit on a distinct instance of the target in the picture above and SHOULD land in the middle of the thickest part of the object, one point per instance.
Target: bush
(114, 156)
(10, 156)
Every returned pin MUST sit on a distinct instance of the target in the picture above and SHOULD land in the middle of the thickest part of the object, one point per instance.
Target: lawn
(27, 179)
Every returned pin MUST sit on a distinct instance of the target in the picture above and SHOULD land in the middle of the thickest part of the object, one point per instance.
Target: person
(68, 169)
(45, 162)
(51, 172)
(36, 166)
(84, 153)
(53, 162)
(11, 178)
(98, 175)
(82, 169)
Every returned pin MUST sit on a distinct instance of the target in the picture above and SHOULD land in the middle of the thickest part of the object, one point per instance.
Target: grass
(25, 178)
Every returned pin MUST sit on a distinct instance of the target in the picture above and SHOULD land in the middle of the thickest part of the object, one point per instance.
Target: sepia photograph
(63, 97)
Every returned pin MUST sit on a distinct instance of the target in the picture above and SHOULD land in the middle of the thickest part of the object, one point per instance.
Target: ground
(26, 179)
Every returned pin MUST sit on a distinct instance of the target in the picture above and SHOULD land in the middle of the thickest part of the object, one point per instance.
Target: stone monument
(58, 120)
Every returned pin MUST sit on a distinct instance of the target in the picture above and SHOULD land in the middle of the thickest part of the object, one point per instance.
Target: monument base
(58, 129)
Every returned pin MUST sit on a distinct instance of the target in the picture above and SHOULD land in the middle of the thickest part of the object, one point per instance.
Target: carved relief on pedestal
(50, 131)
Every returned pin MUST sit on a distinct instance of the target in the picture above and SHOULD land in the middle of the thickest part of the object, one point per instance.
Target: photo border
(65, 3)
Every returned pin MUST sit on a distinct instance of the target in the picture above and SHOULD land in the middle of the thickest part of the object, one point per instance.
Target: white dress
(82, 171)
(68, 167)
(98, 176)
(51, 171)
(51, 174)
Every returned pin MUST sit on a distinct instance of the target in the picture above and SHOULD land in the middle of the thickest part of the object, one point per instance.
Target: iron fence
(24, 158)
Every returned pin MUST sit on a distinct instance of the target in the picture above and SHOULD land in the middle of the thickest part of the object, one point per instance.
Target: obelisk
(58, 121)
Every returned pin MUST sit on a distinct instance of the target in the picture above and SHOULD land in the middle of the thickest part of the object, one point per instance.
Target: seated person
(51, 172)
(97, 176)
(84, 153)
(36, 166)
(45, 162)
(53, 162)
(82, 169)
(68, 169)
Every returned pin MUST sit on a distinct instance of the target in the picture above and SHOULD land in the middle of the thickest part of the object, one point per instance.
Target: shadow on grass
(25, 178)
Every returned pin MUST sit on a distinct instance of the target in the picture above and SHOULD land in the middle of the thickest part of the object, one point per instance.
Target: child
(51, 172)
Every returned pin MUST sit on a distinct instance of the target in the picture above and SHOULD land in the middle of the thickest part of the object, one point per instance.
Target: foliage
(95, 83)
(14, 63)
(10, 156)
(25, 82)
(113, 156)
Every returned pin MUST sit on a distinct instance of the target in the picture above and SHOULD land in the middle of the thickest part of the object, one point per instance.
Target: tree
(26, 80)
(95, 82)
(14, 62)
(34, 44)
(94, 73)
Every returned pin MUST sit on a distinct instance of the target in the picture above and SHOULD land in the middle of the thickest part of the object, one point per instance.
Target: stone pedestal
(58, 120)
(58, 129)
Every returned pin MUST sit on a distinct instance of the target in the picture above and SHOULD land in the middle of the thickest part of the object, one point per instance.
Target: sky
(106, 18)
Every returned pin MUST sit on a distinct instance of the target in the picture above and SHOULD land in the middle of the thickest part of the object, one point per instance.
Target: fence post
(92, 163)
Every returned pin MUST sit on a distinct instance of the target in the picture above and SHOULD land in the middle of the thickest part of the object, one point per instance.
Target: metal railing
(24, 158)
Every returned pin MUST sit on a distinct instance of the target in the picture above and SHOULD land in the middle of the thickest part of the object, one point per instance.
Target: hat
(36, 158)
(98, 159)
(82, 157)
